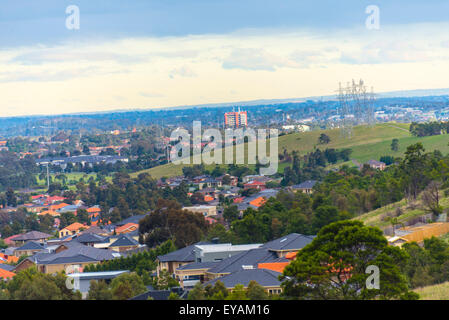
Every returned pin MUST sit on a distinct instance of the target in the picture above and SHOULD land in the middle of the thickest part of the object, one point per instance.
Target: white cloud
(183, 71)
(256, 59)
(172, 71)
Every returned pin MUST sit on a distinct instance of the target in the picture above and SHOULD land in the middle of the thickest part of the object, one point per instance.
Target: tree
(324, 215)
(123, 208)
(3, 245)
(414, 169)
(67, 218)
(219, 231)
(334, 265)
(431, 198)
(324, 139)
(127, 285)
(331, 155)
(197, 293)
(238, 293)
(11, 198)
(256, 291)
(164, 281)
(170, 221)
(99, 290)
(394, 145)
(173, 296)
(31, 284)
(46, 223)
(231, 213)
(216, 292)
(82, 216)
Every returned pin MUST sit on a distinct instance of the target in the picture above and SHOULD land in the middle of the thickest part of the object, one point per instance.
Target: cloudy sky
(148, 53)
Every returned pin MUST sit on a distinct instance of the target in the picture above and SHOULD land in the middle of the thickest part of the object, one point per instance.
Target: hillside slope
(434, 292)
(366, 142)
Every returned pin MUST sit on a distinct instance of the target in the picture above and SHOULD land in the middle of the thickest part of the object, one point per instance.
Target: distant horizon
(388, 94)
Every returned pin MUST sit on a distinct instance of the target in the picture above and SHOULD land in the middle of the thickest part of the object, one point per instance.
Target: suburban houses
(206, 262)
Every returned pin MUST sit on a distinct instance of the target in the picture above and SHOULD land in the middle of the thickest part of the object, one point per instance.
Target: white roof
(227, 247)
(97, 274)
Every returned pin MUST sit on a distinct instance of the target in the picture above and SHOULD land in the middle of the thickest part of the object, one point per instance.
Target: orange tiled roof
(38, 196)
(55, 198)
(255, 183)
(6, 274)
(75, 226)
(239, 200)
(50, 212)
(275, 266)
(8, 258)
(208, 198)
(126, 228)
(291, 255)
(93, 210)
(58, 206)
(258, 202)
(210, 220)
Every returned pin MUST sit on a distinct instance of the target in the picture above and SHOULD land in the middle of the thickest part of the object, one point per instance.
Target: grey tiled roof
(123, 241)
(246, 258)
(6, 267)
(75, 251)
(267, 193)
(90, 238)
(72, 259)
(264, 277)
(199, 265)
(31, 245)
(305, 185)
(32, 235)
(94, 229)
(186, 254)
(155, 294)
(292, 241)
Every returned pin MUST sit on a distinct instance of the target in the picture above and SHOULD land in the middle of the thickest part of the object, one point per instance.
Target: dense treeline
(15, 172)
(312, 165)
(429, 128)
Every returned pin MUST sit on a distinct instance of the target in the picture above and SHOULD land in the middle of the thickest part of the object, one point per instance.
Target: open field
(434, 292)
(73, 176)
(366, 142)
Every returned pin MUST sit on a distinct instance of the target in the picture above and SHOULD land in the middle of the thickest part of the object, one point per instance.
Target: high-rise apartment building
(236, 119)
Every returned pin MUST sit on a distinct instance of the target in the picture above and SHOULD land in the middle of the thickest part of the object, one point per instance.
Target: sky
(152, 54)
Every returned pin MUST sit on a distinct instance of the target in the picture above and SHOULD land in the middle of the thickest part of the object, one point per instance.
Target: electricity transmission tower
(356, 106)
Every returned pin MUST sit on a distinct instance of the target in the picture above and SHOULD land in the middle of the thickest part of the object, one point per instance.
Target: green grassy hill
(434, 292)
(366, 142)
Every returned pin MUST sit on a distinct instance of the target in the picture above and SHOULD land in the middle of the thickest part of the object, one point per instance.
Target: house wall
(23, 266)
(171, 266)
(122, 249)
(54, 268)
(19, 253)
